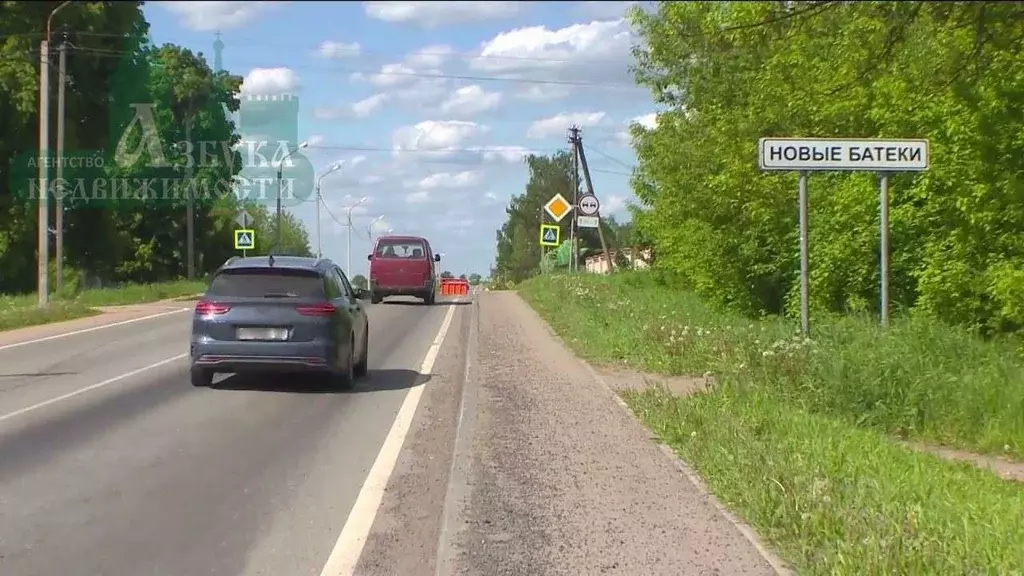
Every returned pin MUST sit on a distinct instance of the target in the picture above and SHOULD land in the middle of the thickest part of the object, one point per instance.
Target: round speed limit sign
(589, 205)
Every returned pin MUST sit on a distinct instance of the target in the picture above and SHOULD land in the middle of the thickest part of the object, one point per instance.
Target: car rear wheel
(345, 378)
(202, 377)
(362, 367)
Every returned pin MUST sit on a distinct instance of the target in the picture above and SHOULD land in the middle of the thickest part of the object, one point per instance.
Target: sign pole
(805, 315)
(884, 217)
(880, 156)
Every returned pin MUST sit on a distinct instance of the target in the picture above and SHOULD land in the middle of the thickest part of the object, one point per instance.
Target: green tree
(359, 281)
(518, 241)
(474, 279)
(447, 274)
(728, 73)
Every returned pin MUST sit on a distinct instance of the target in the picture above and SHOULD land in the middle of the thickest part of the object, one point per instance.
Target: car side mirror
(437, 257)
(361, 293)
(369, 256)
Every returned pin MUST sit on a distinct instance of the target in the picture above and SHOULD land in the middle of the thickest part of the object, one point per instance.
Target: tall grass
(918, 378)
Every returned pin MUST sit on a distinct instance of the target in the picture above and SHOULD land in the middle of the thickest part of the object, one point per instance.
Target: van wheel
(429, 298)
(376, 298)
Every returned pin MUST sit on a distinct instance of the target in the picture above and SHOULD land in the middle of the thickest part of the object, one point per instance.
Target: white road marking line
(98, 385)
(348, 548)
(94, 328)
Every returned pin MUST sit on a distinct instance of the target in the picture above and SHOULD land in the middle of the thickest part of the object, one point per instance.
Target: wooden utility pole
(574, 136)
(590, 189)
(62, 81)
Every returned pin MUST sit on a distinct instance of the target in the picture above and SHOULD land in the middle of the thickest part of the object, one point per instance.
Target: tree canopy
(728, 73)
(114, 231)
(518, 248)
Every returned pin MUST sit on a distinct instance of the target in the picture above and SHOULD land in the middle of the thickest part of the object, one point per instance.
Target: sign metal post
(804, 155)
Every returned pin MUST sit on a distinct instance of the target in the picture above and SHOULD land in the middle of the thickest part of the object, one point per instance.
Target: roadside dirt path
(564, 481)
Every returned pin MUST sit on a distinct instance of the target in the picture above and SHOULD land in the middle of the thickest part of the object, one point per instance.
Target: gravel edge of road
(777, 564)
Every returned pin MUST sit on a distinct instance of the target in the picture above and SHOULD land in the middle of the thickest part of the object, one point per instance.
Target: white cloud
(507, 154)
(367, 106)
(448, 180)
(209, 16)
(360, 109)
(470, 100)
(597, 51)
(418, 78)
(429, 57)
(270, 81)
(418, 197)
(543, 93)
(557, 125)
(330, 49)
(438, 13)
(647, 121)
(435, 135)
(613, 204)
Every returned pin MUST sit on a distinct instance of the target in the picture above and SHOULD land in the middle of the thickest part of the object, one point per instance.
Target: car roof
(289, 262)
(403, 238)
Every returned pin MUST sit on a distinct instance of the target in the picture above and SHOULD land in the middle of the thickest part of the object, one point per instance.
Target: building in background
(268, 124)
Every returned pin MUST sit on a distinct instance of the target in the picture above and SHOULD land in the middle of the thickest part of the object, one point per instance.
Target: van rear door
(400, 263)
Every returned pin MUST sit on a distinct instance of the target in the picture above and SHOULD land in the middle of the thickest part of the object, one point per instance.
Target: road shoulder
(406, 530)
(109, 315)
(563, 481)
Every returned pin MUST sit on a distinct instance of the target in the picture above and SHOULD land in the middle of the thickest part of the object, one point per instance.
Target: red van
(402, 266)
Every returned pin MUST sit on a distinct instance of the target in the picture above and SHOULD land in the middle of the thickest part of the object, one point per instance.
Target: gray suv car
(280, 314)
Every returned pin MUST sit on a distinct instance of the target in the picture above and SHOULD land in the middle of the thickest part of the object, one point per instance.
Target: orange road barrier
(454, 287)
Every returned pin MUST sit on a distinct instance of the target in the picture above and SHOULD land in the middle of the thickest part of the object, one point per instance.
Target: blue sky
(430, 106)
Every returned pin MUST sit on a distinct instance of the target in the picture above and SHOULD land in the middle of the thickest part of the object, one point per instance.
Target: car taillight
(325, 309)
(204, 308)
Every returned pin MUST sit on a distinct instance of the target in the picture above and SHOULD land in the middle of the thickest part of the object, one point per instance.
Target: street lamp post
(348, 242)
(280, 168)
(319, 200)
(369, 236)
(43, 280)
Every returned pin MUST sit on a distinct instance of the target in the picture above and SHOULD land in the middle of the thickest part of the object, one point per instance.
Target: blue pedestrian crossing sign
(245, 239)
(549, 234)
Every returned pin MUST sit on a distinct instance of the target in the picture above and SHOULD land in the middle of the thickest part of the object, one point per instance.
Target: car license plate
(262, 334)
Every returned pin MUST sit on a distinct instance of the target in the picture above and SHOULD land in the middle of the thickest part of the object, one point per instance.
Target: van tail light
(206, 308)
(325, 309)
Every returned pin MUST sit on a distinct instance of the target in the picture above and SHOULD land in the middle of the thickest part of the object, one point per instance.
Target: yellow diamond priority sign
(557, 207)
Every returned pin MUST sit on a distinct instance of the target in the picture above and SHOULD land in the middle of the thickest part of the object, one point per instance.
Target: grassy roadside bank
(835, 493)
(20, 311)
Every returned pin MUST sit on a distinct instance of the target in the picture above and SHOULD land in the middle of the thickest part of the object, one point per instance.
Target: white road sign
(589, 205)
(243, 218)
(588, 221)
(840, 154)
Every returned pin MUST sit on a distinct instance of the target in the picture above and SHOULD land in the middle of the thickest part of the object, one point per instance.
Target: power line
(609, 157)
(106, 52)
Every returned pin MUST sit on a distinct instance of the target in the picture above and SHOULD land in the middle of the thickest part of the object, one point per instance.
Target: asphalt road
(477, 445)
(143, 474)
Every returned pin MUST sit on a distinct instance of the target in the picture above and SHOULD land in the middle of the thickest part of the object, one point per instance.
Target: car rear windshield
(411, 249)
(267, 283)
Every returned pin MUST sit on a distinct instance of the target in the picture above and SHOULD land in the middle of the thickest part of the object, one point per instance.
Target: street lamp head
(303, 144)
(363, 199)
(379, 218)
